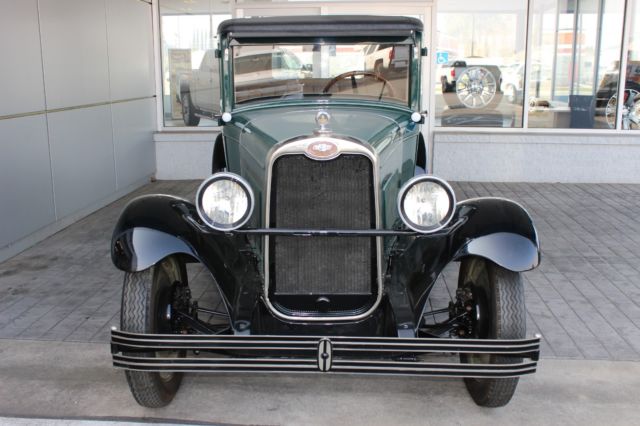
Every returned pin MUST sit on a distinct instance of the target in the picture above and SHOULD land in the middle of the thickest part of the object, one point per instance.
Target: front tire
(498, 298)
(145, 298)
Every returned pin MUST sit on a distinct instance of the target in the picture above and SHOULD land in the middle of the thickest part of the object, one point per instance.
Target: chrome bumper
(307, 354)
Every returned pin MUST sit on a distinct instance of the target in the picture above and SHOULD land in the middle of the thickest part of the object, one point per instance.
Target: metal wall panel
(82, 157)
(21, 88)
(133, 124)
(130, 49)
(25, 178)
(74, 49)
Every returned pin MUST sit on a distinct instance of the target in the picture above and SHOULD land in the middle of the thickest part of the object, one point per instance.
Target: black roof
(320, 26)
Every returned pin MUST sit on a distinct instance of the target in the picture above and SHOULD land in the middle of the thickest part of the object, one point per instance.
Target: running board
(338, 354)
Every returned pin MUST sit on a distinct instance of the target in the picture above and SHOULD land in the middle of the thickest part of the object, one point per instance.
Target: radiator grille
(334, 194)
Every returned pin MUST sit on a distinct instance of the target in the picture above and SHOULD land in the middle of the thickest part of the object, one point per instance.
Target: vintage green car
(323, 230)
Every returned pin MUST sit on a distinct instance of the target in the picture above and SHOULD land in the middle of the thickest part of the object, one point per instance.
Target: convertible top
(320, 26)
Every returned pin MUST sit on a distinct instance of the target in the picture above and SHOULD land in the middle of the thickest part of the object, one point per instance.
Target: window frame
(618, 131)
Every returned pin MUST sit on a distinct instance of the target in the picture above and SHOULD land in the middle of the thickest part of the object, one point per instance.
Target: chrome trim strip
(270, 365)
(299, 146)
(50, 111)
(338, 349)
(313, 340)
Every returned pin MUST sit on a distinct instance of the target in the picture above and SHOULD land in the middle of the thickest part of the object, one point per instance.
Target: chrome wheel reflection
(630, 110)
(476, 87)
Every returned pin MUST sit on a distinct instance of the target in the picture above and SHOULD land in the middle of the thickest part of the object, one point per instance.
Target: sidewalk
(76, 380)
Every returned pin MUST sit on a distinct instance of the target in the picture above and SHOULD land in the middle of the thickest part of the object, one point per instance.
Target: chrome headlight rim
(426, 178)
(245, 187)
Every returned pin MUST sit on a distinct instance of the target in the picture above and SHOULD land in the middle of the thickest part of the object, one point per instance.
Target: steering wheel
(354, 84)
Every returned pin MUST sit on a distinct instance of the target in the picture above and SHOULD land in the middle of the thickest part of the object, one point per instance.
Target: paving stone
(584, 298)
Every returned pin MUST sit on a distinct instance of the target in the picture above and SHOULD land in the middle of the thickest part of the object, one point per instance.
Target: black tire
(145, 297)
(498, 295)
(446, 86)
(188, 110)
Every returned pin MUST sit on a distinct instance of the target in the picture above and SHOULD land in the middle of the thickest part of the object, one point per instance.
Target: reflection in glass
(631, 106)
(480, 64)
(189, 73)
(575, 63)
(292, 71)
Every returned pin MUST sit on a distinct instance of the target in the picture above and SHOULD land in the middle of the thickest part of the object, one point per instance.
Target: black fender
(219, 157)
(493, 228)
(153, 227)
(497, 229)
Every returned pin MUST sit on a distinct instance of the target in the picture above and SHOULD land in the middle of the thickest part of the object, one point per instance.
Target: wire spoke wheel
(476, 87)
(630, 110)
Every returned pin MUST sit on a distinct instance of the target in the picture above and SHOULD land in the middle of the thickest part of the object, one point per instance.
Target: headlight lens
(225, 201)
(426, 203)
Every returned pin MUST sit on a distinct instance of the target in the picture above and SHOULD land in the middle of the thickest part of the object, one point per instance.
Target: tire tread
(509, 320)
(147, 388)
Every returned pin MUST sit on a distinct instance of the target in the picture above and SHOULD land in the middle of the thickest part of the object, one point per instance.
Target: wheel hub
(464, 309)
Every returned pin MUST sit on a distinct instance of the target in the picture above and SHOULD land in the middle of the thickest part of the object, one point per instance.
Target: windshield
(294, 71)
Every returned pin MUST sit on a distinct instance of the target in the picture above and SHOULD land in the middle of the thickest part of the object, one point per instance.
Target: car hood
(259, 129)
(388, 130)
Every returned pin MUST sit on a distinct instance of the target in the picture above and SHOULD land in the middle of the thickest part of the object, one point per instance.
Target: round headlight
(426, 203)
(225, 201)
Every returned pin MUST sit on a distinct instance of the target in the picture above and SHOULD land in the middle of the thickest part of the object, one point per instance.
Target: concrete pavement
(76, 380)
(59, 298)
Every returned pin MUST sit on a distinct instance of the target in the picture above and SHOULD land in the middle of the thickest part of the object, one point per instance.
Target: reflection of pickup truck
(513, 83)
(200, 91)
(386, 57)
(475, 86)
(255, 74)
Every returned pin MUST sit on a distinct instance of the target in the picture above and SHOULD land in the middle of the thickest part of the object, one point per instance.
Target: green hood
(386, 128)
(269, 124)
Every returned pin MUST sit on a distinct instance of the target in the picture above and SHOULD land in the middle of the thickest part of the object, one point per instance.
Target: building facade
(550, 69)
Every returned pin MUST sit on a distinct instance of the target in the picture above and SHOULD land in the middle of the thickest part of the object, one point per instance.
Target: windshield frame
(412, 75)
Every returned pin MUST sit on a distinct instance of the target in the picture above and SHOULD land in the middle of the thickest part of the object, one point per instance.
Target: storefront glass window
(575, 63)
(631, 107)
(480, 59)
(188, 37)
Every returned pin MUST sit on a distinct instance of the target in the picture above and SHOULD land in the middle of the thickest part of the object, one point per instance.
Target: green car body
(321, 226)
(387, 129)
